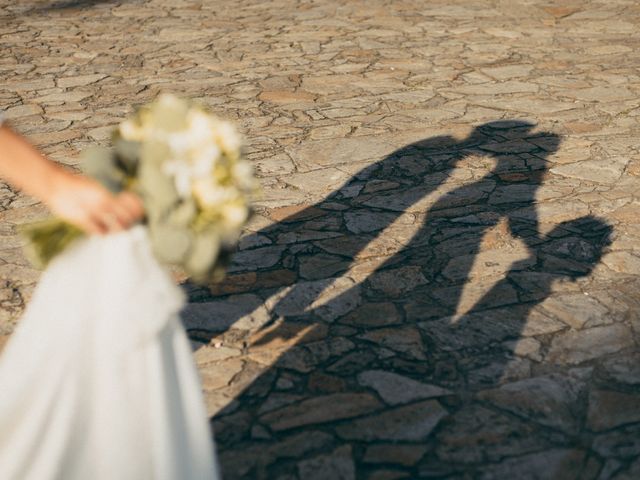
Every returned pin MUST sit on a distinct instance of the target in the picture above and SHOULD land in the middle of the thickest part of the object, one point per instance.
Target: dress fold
(98, 380)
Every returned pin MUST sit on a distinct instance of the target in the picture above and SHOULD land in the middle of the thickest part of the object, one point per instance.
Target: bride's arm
(74, 198)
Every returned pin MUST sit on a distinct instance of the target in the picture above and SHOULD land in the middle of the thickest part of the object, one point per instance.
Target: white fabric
(98, 381)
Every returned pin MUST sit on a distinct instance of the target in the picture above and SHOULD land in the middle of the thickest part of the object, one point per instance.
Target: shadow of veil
(441, 298)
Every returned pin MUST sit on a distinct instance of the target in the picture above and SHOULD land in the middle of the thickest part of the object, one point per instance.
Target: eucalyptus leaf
(100, 163)
(128, 154)
(202, 258)
(156, 188)
(47, 239)
(223, 261)
(183, 214)
(170, 115)
(154, 152)
(170, 244)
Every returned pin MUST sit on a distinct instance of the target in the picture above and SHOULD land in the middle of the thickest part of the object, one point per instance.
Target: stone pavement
(441, 279)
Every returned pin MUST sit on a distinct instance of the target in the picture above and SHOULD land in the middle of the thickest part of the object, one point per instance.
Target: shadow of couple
(442, 297)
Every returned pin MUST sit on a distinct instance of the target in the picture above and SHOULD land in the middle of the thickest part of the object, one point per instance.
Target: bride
(98, 381)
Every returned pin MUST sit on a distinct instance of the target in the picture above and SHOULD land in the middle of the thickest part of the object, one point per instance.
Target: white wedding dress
(98, 380)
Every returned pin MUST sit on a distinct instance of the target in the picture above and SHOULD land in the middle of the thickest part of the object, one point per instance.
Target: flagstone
(408, 423)
(322, 409)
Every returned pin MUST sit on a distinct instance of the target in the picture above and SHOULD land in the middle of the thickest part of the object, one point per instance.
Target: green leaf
(128, 155)
(169, 243)
(203, 255)
(170, 116)
(154, 152)
(157, 189)
(183, 214)
(47, 239)
(100, 163)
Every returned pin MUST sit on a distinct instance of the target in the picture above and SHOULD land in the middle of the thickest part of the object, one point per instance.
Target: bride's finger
(115, 221)
(133, 204)
(93, 225)
(108, 219)
(120, 214)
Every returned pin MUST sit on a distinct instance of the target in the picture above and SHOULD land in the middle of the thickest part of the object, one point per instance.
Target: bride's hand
(86, 204)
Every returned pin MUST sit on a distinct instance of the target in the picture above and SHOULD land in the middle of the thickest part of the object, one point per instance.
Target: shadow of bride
(415, 291)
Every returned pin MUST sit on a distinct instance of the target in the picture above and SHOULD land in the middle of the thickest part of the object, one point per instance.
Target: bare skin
(79, 200)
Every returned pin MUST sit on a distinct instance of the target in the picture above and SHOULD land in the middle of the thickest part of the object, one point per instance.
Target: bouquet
(186, 166)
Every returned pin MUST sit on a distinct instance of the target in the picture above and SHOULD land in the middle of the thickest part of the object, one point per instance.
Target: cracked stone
(499, 372)
(319, 266)
(373, 315)
(337, 151)
(493, 262)
(576, 310)
(338, 406)
(220, 376)
(605, 171)
(398, 281)
(574, 347)
(526, 347)
(364, 221)
(622, 443)
(406, 455)
(475, 434)
(326, 180)
(622, 262)
(397, 389)
(406, 340)
(240, 311)
(416, 199)
(207, 354)
(411, 423)
(600, 93)
(329, 299)
(79, 80)
(556, 463)
(508, 71)
(256, 258)
(287, 97)
(337, 465)
(550, 400)
(472, 330)
(625, 369)
(609, 409)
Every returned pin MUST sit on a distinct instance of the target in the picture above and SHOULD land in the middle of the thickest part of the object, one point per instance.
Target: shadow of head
(500, 130)
(513, 144)
(575, 247)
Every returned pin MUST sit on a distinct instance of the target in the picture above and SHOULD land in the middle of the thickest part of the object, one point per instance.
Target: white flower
(130, 130)
(235, 215)
(178, 142)
(211, 194)
(200, 127)
(227, 137)
(182, 174)
(205, 159)
(168, 100)
(242, 173)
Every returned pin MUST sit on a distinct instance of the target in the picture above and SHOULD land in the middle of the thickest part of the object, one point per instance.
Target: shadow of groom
(389, 335)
